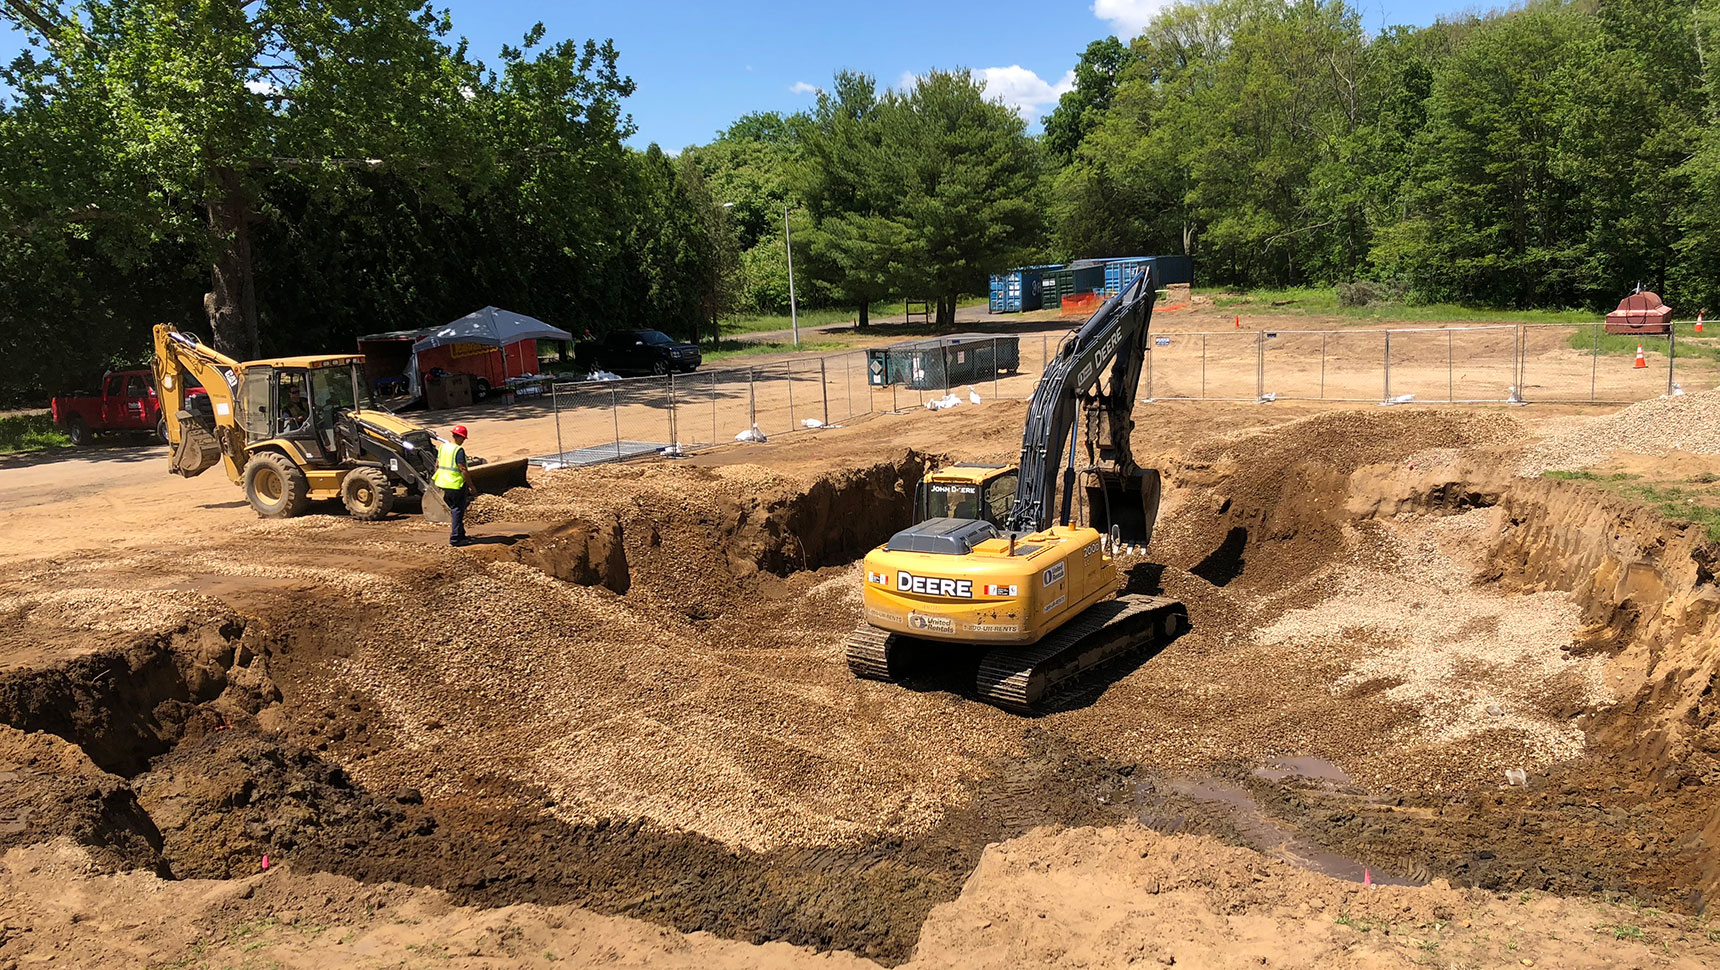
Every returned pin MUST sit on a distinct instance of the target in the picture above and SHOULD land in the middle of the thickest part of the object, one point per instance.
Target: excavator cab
(967, 490)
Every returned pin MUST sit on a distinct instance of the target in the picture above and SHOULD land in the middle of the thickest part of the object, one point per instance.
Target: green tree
(202, 103)
(968, 179)
(851, 189)
(1079, 110)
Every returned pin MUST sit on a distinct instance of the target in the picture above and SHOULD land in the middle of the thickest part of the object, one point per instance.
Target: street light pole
(788, 244)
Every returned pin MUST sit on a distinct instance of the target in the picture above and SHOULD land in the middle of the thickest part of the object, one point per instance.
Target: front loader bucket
(496, 477)
(435, 509)
(1127, 502)
(197, 450)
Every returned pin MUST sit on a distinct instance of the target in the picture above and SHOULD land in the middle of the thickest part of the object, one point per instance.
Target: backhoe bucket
(1127, 502)
(496, 477)
(197, 450)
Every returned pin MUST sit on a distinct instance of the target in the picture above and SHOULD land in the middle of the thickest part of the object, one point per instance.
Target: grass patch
(1624, 345)
(1324, 300)
(730, 349)
(766, 322)
(30, 432)
(1694, 501)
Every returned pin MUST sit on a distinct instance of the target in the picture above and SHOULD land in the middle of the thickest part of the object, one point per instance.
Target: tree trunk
(232, 298)
(946, 311)
(863, 319)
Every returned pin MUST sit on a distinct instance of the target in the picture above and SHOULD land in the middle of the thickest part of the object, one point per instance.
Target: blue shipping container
(1016, 290)
(1119, 273)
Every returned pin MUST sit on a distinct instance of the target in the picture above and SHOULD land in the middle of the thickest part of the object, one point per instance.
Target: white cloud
(1127, 17)
(801, 87)
(906, 82)
(260, 86)
(1028, 93)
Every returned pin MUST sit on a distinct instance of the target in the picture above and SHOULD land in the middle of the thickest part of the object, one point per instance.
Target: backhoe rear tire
(276, 487)
(367, 494)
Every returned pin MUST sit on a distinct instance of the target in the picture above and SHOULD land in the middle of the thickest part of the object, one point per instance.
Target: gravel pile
(1690, 423)
(1475, 666)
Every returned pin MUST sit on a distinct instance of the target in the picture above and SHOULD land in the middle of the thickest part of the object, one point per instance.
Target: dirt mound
(1080, 897)
(50, 789)
(1111, 897)
(1268, 506)
(125, 705)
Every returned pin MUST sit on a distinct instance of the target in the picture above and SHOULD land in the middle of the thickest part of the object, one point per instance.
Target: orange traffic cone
(1641, 361)
(1239, 322)
(1699, 321)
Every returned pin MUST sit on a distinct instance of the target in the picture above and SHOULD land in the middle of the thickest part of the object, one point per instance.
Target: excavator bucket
(1128, 503)
(197, 450)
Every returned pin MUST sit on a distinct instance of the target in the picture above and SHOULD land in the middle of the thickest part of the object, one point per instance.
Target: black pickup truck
(650, 351)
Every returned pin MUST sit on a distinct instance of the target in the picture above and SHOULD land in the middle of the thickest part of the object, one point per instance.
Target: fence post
(1203, 366)
(714, 438)
(1259, 365)
(848, 382)
(944, 354)
(997, 364)
(615, 412)
(1522, 358)
(752, 398)
(1450, 384)
(824, 389)
(1594, 363)
(1671, 355)
(669, 400)
(555, 405)
(1388, 366)
(788, 369)
(1150, 395)
(1323, 336)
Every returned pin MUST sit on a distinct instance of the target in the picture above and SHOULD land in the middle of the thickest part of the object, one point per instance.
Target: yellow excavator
(995, 564)
(294, 430)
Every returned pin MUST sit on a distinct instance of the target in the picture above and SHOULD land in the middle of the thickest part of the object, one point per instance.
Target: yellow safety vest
(448, 473)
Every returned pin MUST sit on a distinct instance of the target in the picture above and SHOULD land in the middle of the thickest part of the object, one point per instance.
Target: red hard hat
(460, 430)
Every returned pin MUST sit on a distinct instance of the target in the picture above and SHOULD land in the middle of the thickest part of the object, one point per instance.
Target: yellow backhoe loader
(294, 430)
(992, 566)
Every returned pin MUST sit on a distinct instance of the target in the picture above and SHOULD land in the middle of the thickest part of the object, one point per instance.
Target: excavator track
(1023, 679)
(869, 652)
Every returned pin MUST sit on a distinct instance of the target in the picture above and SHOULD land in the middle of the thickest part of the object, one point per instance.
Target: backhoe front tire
(367, 494)
(276, 487)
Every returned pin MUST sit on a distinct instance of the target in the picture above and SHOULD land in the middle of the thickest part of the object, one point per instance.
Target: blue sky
(699, 65)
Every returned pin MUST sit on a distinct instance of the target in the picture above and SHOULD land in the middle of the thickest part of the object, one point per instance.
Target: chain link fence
(597, 421)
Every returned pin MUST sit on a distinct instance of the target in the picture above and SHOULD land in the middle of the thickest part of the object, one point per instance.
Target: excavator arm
(1122, 499)
(198, 437)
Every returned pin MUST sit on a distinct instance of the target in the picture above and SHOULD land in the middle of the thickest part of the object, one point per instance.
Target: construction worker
(451, 479)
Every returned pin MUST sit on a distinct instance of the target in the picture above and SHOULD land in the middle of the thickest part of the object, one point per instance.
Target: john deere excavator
(298, 429)
(995, 563)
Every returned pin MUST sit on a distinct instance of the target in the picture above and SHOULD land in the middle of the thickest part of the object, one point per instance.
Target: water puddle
(1304, 768)
(1180, 804)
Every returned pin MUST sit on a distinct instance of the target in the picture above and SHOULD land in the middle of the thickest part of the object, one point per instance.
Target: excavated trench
(198, 751)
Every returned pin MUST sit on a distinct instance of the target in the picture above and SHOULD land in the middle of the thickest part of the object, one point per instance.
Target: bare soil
(627, 703)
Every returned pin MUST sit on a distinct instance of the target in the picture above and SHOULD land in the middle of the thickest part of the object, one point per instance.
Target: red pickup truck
(125, 402)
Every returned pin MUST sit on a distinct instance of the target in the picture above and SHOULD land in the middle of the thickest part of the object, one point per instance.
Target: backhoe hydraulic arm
(198, 439)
